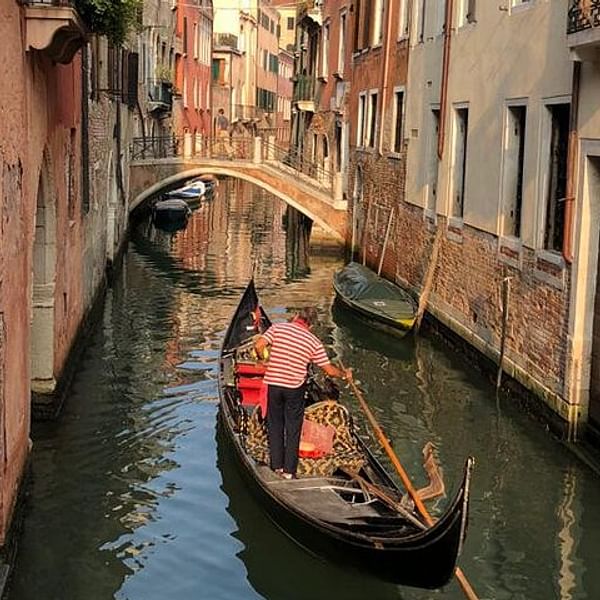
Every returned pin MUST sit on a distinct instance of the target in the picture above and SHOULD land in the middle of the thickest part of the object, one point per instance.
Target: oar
(460, 576)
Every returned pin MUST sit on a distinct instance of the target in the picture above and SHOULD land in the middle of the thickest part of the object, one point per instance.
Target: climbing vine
(112, 18)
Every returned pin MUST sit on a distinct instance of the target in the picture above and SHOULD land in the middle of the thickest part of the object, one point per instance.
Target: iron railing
(292, 159)
(68, 3)
(233, 148)
(161, 92)
(227, 148)
(167, 146)
(582, 15)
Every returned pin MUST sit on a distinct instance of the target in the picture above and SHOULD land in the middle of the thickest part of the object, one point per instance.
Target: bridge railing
(290, 157)
(255, 150)
(191, 146)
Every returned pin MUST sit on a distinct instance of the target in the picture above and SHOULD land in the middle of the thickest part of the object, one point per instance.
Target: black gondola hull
(425, 559)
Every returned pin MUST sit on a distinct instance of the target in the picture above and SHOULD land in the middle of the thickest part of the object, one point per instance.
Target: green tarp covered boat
(379, 300)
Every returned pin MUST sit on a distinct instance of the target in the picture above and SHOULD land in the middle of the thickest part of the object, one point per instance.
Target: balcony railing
(229, 40)
(160, 94)
(582, 15)
(307, 89)
(67, 3)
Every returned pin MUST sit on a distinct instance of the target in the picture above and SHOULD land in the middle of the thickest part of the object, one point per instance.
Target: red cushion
(250, 383)
(250, 369)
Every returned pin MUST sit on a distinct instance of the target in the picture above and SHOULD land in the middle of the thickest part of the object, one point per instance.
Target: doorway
(44, 269)
(593, 193)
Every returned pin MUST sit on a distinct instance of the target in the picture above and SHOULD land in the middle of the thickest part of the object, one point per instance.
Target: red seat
(250, 389)
(250, 369)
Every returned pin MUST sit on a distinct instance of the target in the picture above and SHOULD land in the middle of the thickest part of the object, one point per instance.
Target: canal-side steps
(159, 163)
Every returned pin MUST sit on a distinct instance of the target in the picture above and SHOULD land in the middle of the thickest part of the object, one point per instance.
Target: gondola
(356, 515)
(384, 304)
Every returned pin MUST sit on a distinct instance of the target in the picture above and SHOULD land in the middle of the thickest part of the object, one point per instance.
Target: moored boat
(192, 191)
(382, 302)
(343, 505)
(170, 215)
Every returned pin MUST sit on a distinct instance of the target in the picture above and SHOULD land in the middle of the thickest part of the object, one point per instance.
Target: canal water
(134, 495)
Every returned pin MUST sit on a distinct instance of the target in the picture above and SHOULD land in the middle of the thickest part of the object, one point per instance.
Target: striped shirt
(293, 348)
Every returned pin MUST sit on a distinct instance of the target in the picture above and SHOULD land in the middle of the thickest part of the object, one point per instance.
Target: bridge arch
(252, 175)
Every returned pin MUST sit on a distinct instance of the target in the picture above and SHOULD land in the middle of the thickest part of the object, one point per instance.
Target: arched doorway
(44, 274)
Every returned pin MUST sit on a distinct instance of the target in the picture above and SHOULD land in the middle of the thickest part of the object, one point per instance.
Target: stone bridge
(312, 192)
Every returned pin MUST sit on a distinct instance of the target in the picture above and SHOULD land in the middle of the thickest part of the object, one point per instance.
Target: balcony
(307, 93)
(226, 40)
(54, 28)
(160, 96)
(583, 29)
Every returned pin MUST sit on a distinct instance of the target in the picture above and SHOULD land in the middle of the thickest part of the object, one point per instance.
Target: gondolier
(293, 348)
(346, 506)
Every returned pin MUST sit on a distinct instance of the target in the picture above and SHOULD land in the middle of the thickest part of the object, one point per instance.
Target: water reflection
(133, 498)
(277, 567)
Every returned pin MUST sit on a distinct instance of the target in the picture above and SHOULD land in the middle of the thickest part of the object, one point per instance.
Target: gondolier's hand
(334, 371)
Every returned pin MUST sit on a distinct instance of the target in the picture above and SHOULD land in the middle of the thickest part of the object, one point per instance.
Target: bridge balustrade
(264, 150)
(192, 146)
(291, 159)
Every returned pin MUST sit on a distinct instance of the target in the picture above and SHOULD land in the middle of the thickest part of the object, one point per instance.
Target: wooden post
(385, 241)
(505, 299)
(428, 284)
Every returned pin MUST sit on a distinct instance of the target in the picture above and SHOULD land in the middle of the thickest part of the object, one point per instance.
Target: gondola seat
(250, 383)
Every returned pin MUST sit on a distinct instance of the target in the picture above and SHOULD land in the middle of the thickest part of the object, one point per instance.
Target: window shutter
(471, 12)
(132, 79)
(124, 75)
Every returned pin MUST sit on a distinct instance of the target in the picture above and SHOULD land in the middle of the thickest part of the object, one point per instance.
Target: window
(360, 122)
(434, 161)
(459, 162)
(403, 20)
(185, 37)
(371, 133)
(556, 189)
(512, 175)
(325, 51)
(378, 8)
(218, 70)
(466, 12)
(290, 23)
(342, 44)
(398, 120)
(185, 90)
(356, 45)
(419, 19)
(440, 17)
(195, 40)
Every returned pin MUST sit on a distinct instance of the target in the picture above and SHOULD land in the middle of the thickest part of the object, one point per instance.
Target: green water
(134, 495)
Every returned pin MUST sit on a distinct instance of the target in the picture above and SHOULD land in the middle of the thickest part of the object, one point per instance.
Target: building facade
(194, 31)
(477, 151)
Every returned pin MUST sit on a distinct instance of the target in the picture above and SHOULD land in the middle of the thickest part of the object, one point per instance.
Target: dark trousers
(284, 421)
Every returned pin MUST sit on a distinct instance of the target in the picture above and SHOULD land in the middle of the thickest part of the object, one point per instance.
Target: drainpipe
(385, 72)
(445, 70)
(567, 247)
